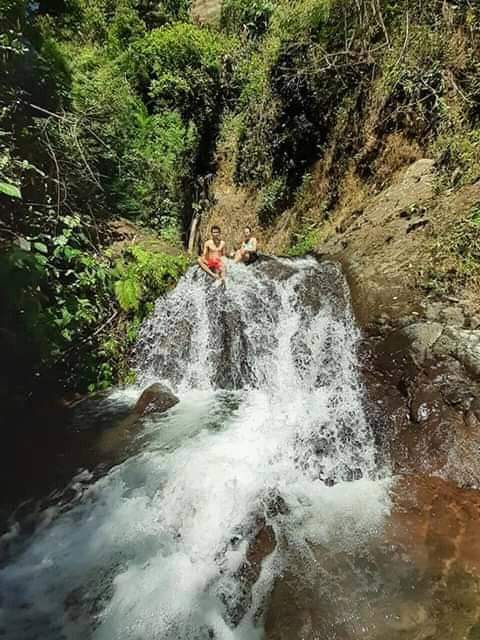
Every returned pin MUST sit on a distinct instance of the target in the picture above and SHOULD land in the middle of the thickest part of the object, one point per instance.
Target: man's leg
(203, 265)
(223, 269)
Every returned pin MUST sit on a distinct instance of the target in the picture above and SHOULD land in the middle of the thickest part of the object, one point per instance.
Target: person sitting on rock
(248, 251)
(212, 258)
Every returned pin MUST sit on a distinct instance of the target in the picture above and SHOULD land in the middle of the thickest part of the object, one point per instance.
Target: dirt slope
(206, 11)
(388, 243)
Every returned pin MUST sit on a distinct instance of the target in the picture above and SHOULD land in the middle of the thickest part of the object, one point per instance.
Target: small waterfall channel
(267, 458)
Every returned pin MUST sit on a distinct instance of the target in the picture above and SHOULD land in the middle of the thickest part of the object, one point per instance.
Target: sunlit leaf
(39, 246)
(10, 190)
(23, 243)
(476, 216)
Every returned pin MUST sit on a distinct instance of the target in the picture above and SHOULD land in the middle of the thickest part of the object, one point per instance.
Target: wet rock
(462, 344)
(175, 346)
(424, 416)
(426, 403)
(419, 578)
(117, 440)
(314, 291)
(458, 393)
(276, 505)
(157, 398)
(423, 336)
(261, 545)
(277, 270)
(230, 368)
(463, 462)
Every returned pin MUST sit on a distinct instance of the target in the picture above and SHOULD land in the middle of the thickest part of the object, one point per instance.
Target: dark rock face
(155, 399)
(232, 363)
(424, 391)
(262, 543)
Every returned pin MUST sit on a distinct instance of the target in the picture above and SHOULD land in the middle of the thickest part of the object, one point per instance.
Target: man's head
(216, 232)
(247, 232)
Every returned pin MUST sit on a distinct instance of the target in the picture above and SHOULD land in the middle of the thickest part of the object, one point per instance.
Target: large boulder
(156, 398)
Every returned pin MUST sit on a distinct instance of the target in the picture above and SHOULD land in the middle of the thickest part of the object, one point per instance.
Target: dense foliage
(331, 80)
(115, 108)
(91, 130)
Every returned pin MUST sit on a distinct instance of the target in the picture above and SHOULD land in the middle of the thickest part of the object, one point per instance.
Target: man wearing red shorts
(212, 258)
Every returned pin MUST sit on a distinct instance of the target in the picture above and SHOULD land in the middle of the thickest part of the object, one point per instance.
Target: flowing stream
(267, 457)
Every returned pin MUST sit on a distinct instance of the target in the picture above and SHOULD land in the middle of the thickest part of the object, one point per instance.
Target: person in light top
(248, 251)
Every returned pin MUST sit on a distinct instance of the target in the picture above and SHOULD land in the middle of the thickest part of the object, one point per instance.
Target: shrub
(306, 240)
(142, 276)
(156, 169)
(458, 154)
(292, 91)
(115, 23)
(245, 16)
(271, 200)
(178, 68)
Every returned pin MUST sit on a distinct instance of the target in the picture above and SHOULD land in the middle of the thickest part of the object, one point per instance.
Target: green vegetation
(116, 108)
(271, 200)
(306, 241)
(247, 17)
(456, 260)
(107, 109)
(142, 276)
(332, 80)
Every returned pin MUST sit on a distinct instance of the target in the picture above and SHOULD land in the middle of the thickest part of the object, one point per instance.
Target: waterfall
(270, 438)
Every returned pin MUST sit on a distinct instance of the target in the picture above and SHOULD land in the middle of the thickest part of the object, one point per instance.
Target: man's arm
(223, 250)
(206, 248)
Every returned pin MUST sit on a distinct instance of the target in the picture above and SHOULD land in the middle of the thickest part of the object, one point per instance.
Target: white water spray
(271, 413)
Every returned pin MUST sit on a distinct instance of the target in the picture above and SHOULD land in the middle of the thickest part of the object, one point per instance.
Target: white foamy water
(271, 414)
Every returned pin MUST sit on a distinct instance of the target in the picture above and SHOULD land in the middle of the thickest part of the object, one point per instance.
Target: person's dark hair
(215, 228)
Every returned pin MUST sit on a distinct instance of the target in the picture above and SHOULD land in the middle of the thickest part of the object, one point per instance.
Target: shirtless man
(212, 258)
(248, 251)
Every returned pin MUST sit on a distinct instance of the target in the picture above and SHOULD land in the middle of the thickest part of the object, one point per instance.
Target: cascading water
(269, 433)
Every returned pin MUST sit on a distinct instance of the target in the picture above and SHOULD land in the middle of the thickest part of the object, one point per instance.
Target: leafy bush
(245, 16)
(89, 150)
(458, 156)
(292, 91)
(178, 68)
(156, 169)
(272, 199)
(57, 293)
(306, 240)
(114, 23)
(142, 276)
(70, 299)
